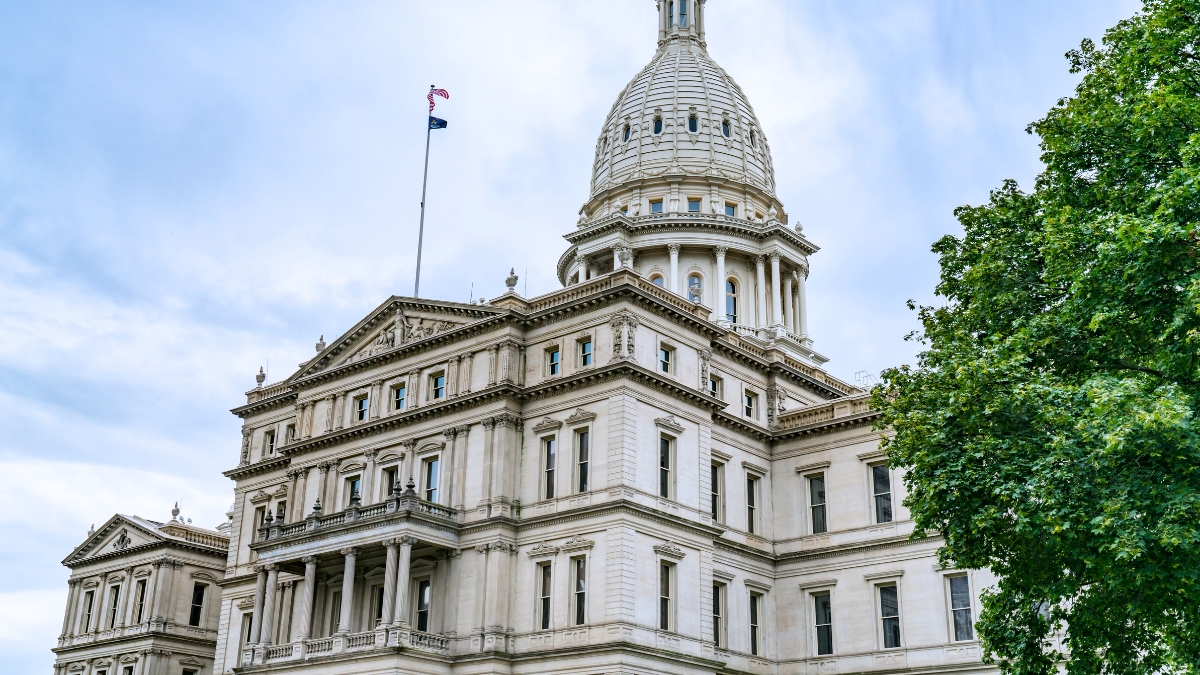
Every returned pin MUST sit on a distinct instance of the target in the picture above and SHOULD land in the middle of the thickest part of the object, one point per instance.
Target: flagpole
(421, 231)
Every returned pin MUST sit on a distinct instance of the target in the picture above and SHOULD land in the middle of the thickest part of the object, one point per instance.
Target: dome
(681, 115)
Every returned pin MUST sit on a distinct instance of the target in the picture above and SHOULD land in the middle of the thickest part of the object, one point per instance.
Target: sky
(191, 191)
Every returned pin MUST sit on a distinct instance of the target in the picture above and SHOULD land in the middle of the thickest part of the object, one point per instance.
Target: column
(674, 280)
(267, 636)
(260, 589)
(400, 617)
(306, 598)
(389, 580)
(616, 249)
(794, 309)
(126, 584)
(339, 411)
(301, 494)
(718, 283)
(460, 465)
(452, 376)
(328, 413)
(489, 434)
(465, 371)
(787, 305)
(376, 402)
(448, 471)
(72, 597)
(156, 594)
(776, 306)
(287, 600)
(760, 305)
(803, 302)
(368, 479)
(172, 577)
(347, 589)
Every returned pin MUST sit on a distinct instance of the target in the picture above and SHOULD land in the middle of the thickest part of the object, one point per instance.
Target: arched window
(695, 288)
(725, 128)
(657, 125)
(753, 139)
(657, 280)
(683, 14)
(670, 15)
(626, 132)
(731, 301)
(693, 124)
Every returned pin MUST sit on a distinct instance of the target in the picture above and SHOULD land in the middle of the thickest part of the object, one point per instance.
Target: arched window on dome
(657, 280)
(695, 288)
(627, 133)
(658, 126)
(753, 139)
(725, 128)
(693, 124)
(731, 301)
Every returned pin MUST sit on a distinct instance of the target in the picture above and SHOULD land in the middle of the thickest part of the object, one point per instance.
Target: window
(114, 597)
(582, 460)
(391, 478)
(695, 288)
(753, 139)
(693, 204)
(657, 280)
(730, 294)
(816, 501)
(664, 359)
(549, 460)
(335, 612)
(889, 616)
(197, 604)
(88, 599)
(139, 593)
(128, 670)
(585, 352)
(351, 491)
(429, 470)
(752, 504)
(360, 407)
(423, 602)
(438, 387)
(627, 132)
(579, 597)
(658, 125)
(260, 516)
(881, 482)
(280, 510)
(683, 13)
(290, 432)
(398, 395)
(656, 204)
(718, 614)
(247, 622)
(553, 361)
(670, 15)
(544, 596)
(731, 210)
(376, 606)
(755, 601)
(693, 126)
(960, 608)
(725, 133)
(269, 442)
(823, 622)
(718, 489)
(715, 386)
(750, 405)
(664, 467)
(665, 606)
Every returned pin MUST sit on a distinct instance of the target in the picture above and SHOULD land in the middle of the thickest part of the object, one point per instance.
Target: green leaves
(1049, 430)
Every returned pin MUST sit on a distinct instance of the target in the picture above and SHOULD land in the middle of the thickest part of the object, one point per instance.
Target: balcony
(146, 627)
(383, 640)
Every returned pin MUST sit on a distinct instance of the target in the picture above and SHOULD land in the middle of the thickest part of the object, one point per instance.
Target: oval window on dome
(725, 128)
(626, 132)
(693, 124)
(657, 125)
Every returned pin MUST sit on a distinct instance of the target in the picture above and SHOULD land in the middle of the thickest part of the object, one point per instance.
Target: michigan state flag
(436, 123)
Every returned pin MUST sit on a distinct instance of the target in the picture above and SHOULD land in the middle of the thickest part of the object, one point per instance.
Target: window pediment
(670, 550)
(204, 576)
(669, 424)
(547, 424)
(259, 497)
(577, 543)
(580, 416)
(542, 549)
(349, 467)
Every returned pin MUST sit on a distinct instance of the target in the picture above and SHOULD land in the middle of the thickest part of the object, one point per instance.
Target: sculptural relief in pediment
(401, 331)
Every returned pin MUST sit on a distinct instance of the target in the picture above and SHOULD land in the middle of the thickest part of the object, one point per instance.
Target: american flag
(436, 92)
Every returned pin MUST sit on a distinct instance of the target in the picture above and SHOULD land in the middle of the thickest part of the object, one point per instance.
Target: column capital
(271, 567)
(760, 260)
(774, 256)
(720, 250)
(352, 551)
(309, 560)
(673, 248)
(463, 430)
(407, 540)
(450, 433)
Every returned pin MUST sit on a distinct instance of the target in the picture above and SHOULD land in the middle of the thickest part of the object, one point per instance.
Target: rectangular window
(128, 670)
(398, 396)
(816, 501)
(656, 206)
(664, 467)
(683, 13)
(553, 362)
(583, 460)
(693, 206)
(549, 461)
(430, 473)
(438, 387)
(423, 602)
(714, 386)
(718, 484)
(360, 408)
(585, 352)
(290, 432)
(731, 210)
(665, 607)
(280, 510)
(755, 601)
(139, 594)
(960, 607)
(823, 622)
(353, 484)
(752, 504)
(579, 572)
(114, 598)
(269, 442)
(391, 478)
(88, 599)
(335, 612)
(376, 606)
(889, 616)
(544, 596)
(247, 623)
(881, 482)
(718, 613)
(750, 405)
(664, 359)
(197, 604)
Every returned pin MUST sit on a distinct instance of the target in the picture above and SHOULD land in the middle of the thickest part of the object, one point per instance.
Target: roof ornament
(316, 512)
(122, 540)
(320, 344)
(260, 377)
(91, 529)
(511, 281)
(175, 511)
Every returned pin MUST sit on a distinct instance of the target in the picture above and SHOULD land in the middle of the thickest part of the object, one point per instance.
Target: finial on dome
(320, 344)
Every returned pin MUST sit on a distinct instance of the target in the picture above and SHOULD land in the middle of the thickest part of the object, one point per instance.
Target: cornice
(271, 403)
(153, 637)
(219, 553)
(829, 426)
(623, 506)
(804, 380)
(257, 468)
(856, 547)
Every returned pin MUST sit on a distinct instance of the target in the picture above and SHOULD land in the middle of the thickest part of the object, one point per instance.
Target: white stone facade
(647, 471)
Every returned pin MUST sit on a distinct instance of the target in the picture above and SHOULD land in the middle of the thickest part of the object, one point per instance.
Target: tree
(1049, 428)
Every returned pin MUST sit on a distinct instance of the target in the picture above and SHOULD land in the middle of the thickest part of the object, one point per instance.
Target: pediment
(118, 534)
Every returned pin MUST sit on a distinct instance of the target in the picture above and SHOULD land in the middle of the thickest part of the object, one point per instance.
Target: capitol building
(647, 471)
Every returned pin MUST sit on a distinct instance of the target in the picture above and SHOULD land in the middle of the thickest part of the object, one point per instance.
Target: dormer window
(658, 126)
(693, 124)
(627, 133)
(725, 128)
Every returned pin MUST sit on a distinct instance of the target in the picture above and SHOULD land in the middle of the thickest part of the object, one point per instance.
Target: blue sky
(189, 191)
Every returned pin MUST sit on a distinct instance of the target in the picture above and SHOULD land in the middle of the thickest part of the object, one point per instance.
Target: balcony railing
(842, 407)
(379, 640)
(405, 502)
